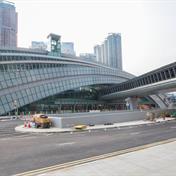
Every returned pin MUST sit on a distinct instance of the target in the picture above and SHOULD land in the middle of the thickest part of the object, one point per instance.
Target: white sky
(147, 27)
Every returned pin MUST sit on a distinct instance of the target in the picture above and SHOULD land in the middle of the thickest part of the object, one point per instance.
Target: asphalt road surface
(25, 152)
(7, 128)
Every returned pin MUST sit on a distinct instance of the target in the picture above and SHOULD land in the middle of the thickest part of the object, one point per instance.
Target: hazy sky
(147, 27)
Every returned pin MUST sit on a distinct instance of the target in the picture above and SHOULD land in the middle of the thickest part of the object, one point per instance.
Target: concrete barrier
(56, 121)
(100, 118)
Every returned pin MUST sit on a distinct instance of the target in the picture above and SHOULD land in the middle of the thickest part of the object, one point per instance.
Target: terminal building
(48, 81)
(51, 82)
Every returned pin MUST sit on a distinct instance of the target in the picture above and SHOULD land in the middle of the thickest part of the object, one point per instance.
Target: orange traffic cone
(29, 124)
(25, 124)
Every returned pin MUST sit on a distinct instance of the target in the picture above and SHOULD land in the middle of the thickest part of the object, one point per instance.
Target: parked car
(41, 120)
(108, 123)
(91, 124)
(80, 127)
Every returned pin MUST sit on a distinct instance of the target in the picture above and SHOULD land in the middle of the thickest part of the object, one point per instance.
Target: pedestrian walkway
(21, 128)
(154, 161)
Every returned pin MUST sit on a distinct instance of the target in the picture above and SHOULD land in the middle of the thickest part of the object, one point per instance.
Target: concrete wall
(100, 118)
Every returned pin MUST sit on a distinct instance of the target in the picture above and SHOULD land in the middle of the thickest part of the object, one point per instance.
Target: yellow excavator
(41, 121)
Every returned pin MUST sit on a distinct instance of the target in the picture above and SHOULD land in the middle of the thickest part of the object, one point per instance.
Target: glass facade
(27, 77)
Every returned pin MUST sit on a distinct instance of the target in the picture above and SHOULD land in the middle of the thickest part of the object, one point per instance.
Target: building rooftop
(22, 50)
(4, 2)
(54, 36)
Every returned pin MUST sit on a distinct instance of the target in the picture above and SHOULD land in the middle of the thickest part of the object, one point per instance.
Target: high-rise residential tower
(114, 50)
(97, 53)
(106, 53)
(110, 52)
(8, 24)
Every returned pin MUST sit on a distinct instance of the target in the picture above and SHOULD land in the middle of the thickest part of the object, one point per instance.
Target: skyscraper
(110, 52)
(106, 53)
(8, 24)
(114, 50)
(97, 53)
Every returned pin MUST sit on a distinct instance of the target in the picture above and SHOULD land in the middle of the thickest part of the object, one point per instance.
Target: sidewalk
(154, 161)
(21, 128)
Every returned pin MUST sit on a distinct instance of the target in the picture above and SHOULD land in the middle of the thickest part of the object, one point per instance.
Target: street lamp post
(15, 103)
(16, 107)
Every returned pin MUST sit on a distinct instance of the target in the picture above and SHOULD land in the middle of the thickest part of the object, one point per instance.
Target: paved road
(24, 153)
(7, 128)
